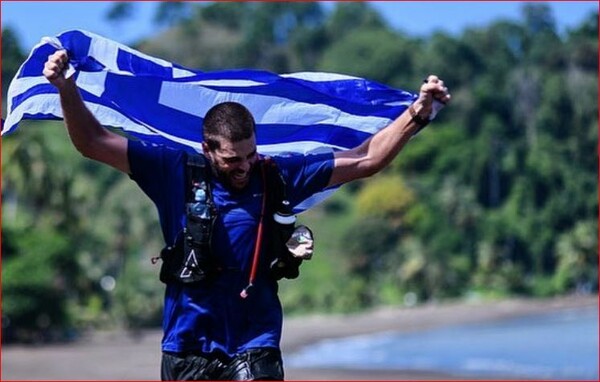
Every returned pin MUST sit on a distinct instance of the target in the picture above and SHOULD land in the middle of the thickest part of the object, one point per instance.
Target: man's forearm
(81, 124)
(385, 145)
(88, 136)
(375, 153)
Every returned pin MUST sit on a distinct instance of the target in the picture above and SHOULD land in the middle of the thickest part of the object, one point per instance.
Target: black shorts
(253, 365)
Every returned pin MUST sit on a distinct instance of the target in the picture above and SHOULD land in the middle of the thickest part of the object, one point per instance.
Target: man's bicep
(346, 167)
(111, 149)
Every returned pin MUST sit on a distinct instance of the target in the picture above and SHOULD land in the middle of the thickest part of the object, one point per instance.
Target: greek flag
(164, 103)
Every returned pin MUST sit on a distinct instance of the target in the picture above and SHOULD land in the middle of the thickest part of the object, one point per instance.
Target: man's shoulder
(301, 168)
(161, 150)
(194, 158)
(151, 157)
(294, 159)
(147, 145)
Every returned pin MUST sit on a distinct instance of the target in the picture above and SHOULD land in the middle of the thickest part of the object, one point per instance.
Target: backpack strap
(196, 171)
(275, 182)
(197, 264)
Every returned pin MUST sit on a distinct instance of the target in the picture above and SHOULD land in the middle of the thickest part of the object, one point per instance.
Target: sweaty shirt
(214, 318)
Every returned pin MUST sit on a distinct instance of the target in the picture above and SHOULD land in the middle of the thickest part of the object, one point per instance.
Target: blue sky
(35, 19)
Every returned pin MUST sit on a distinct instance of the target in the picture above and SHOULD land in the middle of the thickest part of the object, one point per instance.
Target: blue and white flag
(164, 103)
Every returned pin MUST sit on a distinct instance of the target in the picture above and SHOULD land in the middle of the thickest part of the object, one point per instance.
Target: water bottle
(284, 264)
(200, 208)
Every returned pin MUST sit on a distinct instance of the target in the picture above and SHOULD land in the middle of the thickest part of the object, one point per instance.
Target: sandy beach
(122, 356)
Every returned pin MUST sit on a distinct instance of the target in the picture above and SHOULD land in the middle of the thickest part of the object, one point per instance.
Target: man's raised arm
(86, 133)
(378, 151)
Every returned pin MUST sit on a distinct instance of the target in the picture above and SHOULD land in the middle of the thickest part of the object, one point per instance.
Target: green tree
(12, 58)
(389, 61)
(172, 12)
(387, 197)
(582, 44)
(349, 16)
(120, 11)
(577, 250)
(50, 194)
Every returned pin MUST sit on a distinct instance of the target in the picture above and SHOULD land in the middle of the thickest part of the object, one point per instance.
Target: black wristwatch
(422, 122)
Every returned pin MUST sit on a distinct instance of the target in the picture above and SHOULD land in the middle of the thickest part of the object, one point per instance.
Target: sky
(34, 19)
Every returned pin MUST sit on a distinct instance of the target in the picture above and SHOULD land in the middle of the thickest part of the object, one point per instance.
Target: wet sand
(123, 356)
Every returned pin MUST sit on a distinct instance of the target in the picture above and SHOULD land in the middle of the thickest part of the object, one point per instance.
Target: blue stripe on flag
(141, 66)
(34, 90)
(34, 65)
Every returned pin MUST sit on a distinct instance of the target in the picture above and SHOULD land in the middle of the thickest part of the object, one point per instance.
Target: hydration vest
(191, 261)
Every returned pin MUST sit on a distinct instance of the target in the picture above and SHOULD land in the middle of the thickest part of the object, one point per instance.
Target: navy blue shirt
(214, 317)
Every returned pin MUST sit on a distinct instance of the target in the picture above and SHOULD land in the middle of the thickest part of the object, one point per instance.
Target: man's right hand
(55, 68)
(87, 134)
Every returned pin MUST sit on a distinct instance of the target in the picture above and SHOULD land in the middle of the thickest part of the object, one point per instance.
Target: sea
(560, 346)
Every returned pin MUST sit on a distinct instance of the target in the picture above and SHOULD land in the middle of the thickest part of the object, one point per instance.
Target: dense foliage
(497, 197)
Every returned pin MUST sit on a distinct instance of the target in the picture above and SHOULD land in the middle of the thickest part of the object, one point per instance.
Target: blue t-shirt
(214, 317)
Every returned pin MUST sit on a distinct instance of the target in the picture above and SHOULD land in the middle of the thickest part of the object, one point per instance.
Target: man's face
(233, 161)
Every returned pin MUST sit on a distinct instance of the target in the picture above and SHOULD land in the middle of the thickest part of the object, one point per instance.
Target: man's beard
(227, 178)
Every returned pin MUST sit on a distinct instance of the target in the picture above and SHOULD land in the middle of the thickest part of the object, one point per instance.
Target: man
(211, 330)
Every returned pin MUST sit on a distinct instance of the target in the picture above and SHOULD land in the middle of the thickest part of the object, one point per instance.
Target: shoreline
(303, 331)
(118, 355)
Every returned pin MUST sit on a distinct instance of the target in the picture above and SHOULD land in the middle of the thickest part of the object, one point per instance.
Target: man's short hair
(228, 120)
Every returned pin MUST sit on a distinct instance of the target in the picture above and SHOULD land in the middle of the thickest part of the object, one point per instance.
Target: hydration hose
(258, 244)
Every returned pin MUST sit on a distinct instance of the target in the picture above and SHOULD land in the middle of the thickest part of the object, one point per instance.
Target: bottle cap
(284, 219)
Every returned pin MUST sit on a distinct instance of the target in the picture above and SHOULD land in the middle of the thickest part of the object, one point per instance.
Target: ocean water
(561, 345)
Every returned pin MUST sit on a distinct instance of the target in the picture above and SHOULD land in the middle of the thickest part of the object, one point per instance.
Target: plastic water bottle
(200, 208)
(284, 265)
